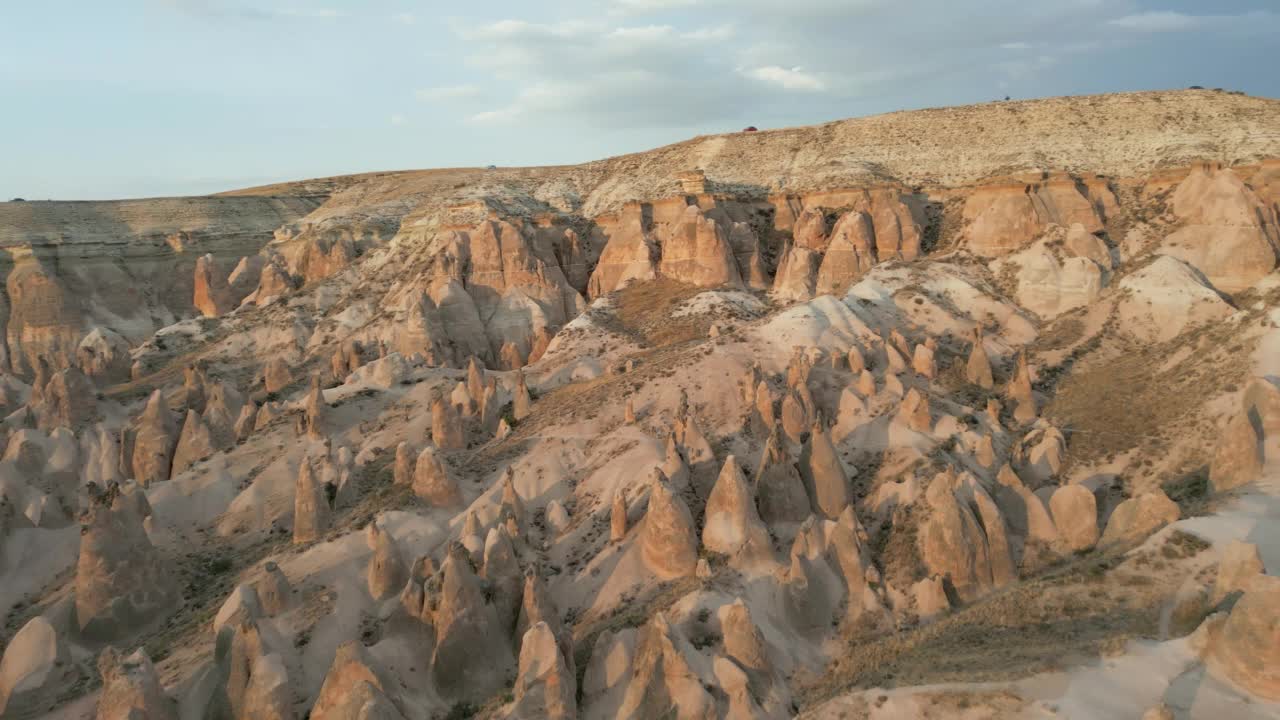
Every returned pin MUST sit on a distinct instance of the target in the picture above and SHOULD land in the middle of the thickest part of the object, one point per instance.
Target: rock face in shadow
(154, 440)
(122, 583)
(473, 652)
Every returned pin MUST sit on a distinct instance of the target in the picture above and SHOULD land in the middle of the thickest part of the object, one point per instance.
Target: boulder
(1136, 518)
(1075, 515)
(103, 355)
(1240, 564)
(1238, 458)
(1246, 653)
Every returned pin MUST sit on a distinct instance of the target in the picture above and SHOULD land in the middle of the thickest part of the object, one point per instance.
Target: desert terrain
(966, 412)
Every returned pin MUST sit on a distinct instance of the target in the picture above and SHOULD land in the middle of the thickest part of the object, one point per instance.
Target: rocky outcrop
(195, 443)
(780, 489)
(387, 572)
(37, 664)
(131, 688)
(355, 688)
(1240, 564)
(824, 478)
(103, 355)
(1225, 230)
(1018, 391)
(1238, 458)
(1136, 518)
(122, 582)
(1075, 515)
(850, 253)
(545, 688)
(432, 482)
(732, 526)
(668, 544)
(472, 658)
(662, 682)
(1166, 298)
(1001, 218)
(953, 544)
(311, 506)
(1246, 652)
(630, 255)
(154, 438)
(446, 427)
(697, 252)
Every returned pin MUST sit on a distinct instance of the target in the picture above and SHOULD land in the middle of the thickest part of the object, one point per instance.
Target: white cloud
(452, 92)
(309, 13)
(1015, 46)
(1156, 21)
(789, 79)
(651, 5)
(397, 119)
(405, 18)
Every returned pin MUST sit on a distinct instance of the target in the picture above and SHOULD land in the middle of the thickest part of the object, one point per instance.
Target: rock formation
(122, 582)
(732, 525)
(824, 477)
(472, 654)
(387, 571)
(1247, 649)
(154, 438)
(432, 483)
(668, 543)
(311, 507)
(1136, 518)
(1075, 514)
(131, 688)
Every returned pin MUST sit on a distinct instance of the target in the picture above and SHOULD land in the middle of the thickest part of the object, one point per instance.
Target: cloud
(405, 18)
(397, 119)
(788, 79)
(645, 6)
(452, 92)
(1156, 21)
(243, 11)
(1015, 46)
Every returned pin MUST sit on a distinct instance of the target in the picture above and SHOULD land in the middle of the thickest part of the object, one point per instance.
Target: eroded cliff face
(126, 266)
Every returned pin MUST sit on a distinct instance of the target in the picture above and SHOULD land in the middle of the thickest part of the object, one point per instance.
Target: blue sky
(169, 97)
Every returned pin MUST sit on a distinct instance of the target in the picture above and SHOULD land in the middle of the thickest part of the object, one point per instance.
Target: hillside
(967, 412)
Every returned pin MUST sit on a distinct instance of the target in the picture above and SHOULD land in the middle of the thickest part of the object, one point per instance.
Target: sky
(141, 98)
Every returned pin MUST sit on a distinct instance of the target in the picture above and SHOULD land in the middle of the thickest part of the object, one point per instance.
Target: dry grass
(1082, 609)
